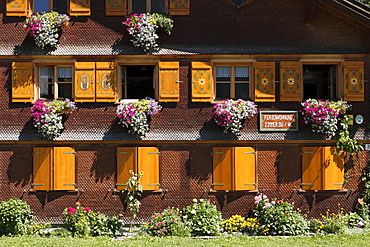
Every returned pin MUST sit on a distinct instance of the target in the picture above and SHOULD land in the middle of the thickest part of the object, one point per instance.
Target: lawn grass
(361, 239)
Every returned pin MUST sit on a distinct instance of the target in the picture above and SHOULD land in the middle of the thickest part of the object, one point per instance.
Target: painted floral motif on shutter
(84, 81)
(333, 176)
(202, 82)
(265, 82)
(16, 7)
(244, 168)
(64, 168)
(169, 89)
(222, 168)
(115, 7)
(148, 162)
(126, 162)
(179, 7)
(42, 167)
(106, 89)
(79, 8)
(354, 87)
(22, 82)
(312, 167)
(290, 81)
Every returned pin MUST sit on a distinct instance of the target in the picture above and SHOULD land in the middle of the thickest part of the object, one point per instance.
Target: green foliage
(367, 2)
(40, 229)
(133, 190)
(354, 220)
(334, 222)
(84, 222)
(237, 223)
(202, 218)
(315, 225)
(166, 223)
(278, 217)
(15, 217)
(347, 144)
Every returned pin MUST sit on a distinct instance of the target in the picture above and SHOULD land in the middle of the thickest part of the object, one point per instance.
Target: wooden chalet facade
(240, 49)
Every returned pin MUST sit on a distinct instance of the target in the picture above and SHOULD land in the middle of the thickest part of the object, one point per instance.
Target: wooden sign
(278, 120)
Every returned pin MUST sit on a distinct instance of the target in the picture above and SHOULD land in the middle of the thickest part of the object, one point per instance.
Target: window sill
(317, 191)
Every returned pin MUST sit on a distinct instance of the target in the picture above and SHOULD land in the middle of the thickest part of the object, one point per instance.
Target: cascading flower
(44, 27)
(135, 115)
(231, 113)
(142, 27)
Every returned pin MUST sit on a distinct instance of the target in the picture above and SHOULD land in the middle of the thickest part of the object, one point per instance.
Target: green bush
(15, 217)
(278, 217)
(354, 220)
(315, 226)
(334, 222)
(202, 218)
(84, 222)
(166, 223)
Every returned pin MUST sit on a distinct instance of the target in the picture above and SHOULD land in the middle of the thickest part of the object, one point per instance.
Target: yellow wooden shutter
(264, 82)
(290, 81)
(354, 87)
(79, 8)
(115, 7)
(312, 166)
(222, 172)
(202, 82)
(148, 162)
(244, 168)
(333, 175)
(42, 168)
(17, 7)
(126, 162)
(179, 7)
(84, 81)
(22, 82)
(169, 89)
(64, 168)
(106, 88)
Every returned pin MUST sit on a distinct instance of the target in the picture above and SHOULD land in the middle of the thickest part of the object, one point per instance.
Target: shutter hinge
(338, 183)
(306, 184)
(69, 152)
(37, 184)
(153, 152)
(153, 184)
(121, 152)
(249, 152)
(218, 152)
(249, 184)
(70, 184)
(218, 184)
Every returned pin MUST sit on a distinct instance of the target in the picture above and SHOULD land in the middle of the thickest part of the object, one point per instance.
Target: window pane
(64, 74)
(158, 6)
(47, 91)
(46, 74)
(222, 73)
(139, 6)
(60, 6)
(242, 90)
(65, 90)
(222, 90)
(41, 6)
(140, 82)
(241, 73)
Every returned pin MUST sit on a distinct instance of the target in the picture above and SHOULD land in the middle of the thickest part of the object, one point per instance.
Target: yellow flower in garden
(202, 81)
(264, 81)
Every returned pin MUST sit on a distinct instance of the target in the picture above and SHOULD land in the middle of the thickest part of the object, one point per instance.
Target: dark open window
(320, 81)
(137, 81)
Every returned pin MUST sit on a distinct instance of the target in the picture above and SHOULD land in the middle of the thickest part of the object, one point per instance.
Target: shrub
(15, 217)
(334, 222)
(315, 226)
(202, 218)
(278, 217)
(84, 222)
(40, 229)
(234, 224)
(166, 223)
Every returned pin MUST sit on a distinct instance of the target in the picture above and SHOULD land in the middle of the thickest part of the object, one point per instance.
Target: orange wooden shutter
(333, 175)
(222, 172)
(17, 7)
(126, 162)
(202, 82)
(312, 166)
(22, 82)
(64, 168)
(115, 7)
(179, 7)
(264, 82)
(244, 168)
(354, 87)
(84, 81)
(42, 168)
(290, 81)
(106, 89)
(148, 162)
(169, 89)
(79, 7)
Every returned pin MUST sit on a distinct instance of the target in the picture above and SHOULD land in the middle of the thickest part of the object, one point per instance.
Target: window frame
(56, 82)
(148, 7)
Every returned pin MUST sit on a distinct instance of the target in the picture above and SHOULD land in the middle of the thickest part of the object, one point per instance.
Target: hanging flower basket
(142, 27)
(231, 114)
(47, 116)
(45, 27)
(134, 116)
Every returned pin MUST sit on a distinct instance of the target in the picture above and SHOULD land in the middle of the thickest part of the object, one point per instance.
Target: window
(322, 168)
(232, 81)
(55, 82)
(59, 6)
(138, 81)
(53, 168)
(320, 81)
(138, 159)
(234, 168)
(148, 6)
